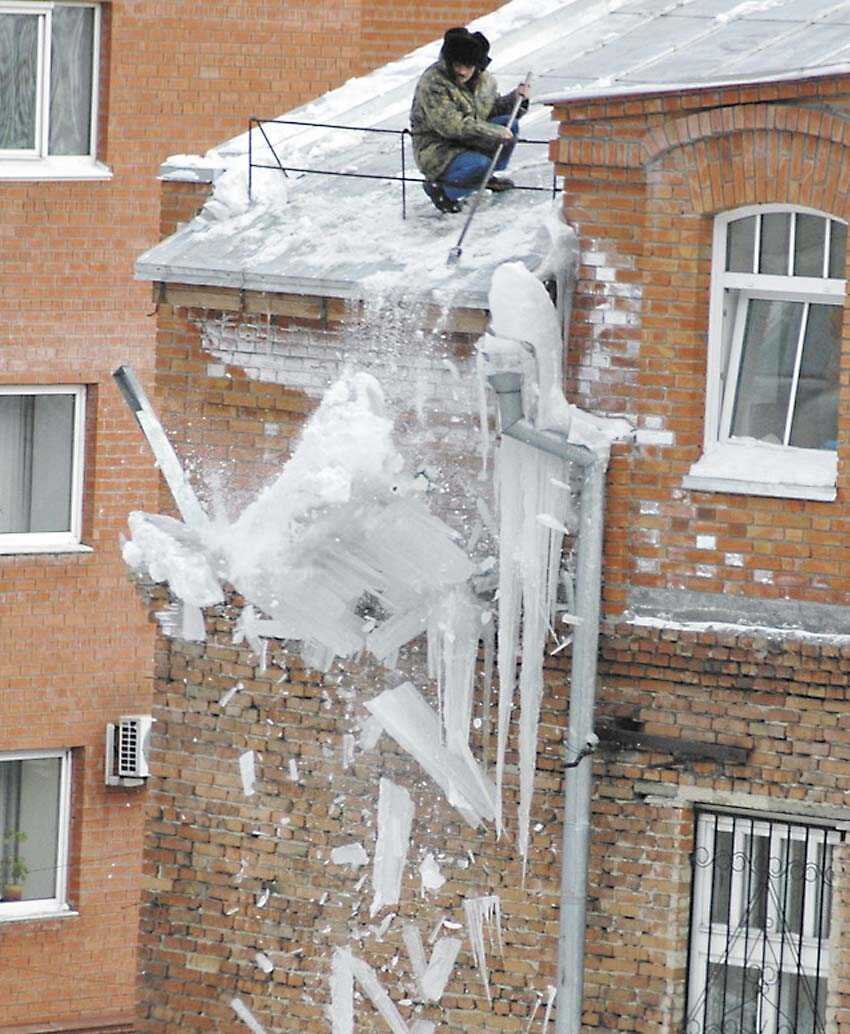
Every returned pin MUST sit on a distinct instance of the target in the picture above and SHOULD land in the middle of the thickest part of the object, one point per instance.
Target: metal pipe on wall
(580, 734)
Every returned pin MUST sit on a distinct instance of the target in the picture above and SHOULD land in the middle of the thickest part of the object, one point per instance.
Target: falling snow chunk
(247, 772)
(430, 875)
(264, 962)
(395, 818)
(483, 913)
(246, 1016)
(349, 854)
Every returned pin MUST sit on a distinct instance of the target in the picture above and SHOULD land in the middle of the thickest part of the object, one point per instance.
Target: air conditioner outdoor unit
(127, 743)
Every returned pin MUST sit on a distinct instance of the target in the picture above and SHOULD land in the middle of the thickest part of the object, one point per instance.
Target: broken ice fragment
(430, 875)
(349, 854)
(246, 1016)
(264, 962)
(347, 750)
(247, 772)
(395, 817)
(481, 913)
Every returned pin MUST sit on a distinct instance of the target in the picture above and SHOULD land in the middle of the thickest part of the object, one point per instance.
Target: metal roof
(345, 237)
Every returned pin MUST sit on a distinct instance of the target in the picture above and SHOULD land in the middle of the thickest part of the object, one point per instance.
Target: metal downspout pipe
(580, 735)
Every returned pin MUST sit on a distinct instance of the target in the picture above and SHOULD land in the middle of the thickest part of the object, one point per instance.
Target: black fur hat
(485, 49)
(460, 47)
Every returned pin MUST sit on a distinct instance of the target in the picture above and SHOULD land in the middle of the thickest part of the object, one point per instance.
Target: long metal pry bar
(170, 467)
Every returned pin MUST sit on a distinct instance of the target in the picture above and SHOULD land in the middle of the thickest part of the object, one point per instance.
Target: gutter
(580, 735)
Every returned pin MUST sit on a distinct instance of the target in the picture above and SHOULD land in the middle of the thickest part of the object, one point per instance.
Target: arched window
(777, 298)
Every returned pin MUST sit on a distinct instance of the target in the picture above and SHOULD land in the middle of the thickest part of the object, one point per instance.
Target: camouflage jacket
(446, 118)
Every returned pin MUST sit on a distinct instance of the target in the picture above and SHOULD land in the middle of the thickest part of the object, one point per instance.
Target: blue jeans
(465, 171)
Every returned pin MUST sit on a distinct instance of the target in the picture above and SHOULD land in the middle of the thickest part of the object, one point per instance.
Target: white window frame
(56, 541)
(37, 162)
(750, 468)
(58, 904)
(709, 940)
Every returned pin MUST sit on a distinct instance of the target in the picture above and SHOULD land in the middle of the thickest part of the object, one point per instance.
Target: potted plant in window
(13, 870)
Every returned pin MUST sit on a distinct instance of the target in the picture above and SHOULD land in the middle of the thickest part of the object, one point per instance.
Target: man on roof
(458, 121)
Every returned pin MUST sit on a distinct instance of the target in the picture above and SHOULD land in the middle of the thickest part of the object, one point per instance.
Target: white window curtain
(36, 463)
(18, 81)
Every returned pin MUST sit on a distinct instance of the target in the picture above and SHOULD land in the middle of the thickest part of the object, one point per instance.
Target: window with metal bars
(760, 924)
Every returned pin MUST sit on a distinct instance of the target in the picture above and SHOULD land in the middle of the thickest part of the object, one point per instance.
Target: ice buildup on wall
(339, 532)
(484, 913)
(395, 818)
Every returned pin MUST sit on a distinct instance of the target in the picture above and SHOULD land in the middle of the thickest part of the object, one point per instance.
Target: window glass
(802, 1004)
(837, 249)
(29, 822)
(775, 243)
(815, 422)
(809, 243)
(740, 244)
(768, 356)
(36, 463)
(71, 60)
(18, 81)
(732, 1000)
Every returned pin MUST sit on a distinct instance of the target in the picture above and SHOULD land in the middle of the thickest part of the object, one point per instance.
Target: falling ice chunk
(548, 521)
(247, 772)
(245, 1015)
(395, 817)
(368, 981)
(440, 968)
(293, 770)
(342, 992)
(480, 913)
(551, 992)
(411, 722)
(263, 897)
(349, 854)
(430, 875)
(370, 733)
(229, 695)
(264, 962)
(347, 750)
(423, 1027)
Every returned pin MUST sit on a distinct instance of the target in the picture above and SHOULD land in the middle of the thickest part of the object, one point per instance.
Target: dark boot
(500, 183)
(439, 197)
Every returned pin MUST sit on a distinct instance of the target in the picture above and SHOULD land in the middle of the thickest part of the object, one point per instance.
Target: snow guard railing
(403, 178)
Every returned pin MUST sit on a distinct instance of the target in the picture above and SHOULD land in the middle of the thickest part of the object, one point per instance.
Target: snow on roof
(346, 236)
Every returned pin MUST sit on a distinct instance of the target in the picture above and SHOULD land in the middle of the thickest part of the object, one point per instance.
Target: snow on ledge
(750, 467)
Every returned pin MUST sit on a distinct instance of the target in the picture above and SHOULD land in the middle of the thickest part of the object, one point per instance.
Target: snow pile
(338, 546)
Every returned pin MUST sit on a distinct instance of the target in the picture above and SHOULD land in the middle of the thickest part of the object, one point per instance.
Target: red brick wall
(643, 182)
(75, 642)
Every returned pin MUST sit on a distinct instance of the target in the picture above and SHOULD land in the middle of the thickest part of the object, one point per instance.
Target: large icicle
(395, 818)
(406, 716)
(481, 913)
(454, 629)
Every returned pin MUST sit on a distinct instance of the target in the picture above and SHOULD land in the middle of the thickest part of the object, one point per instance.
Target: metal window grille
(760, 923)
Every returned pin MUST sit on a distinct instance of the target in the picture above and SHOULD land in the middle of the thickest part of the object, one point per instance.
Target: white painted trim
(56, 541)
(58, 167)
(58, 904)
